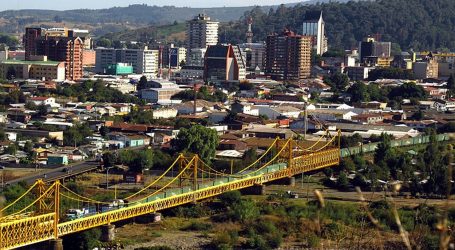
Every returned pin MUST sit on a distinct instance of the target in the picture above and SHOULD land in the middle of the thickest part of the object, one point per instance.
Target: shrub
(313, 240)
(244, 211)
(198, 226)
(230, 198)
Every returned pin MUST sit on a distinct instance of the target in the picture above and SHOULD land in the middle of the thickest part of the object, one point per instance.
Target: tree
(109, 159)
(343, 182)
(197, 140)
(104, 42)
(142, 83)
(28, 147)
(337, 81)
(143, 160)
(11, 149)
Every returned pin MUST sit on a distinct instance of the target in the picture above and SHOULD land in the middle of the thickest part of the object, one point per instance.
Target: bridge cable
(35, 201)
(82, 197)
(169, 183)
(156, 180)
(20, 197)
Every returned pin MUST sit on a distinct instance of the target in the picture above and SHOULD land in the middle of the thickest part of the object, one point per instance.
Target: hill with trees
(417, 24)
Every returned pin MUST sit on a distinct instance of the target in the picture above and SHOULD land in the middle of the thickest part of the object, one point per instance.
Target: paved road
(49, 175)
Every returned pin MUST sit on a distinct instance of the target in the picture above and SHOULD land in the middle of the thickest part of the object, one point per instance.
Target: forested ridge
(417, 24)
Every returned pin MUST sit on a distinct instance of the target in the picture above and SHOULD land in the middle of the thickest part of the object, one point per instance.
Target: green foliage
(347, 164)
(97, 91)
(337, 81)
(244, 211)
(408, 90)
(350, 141)
(421, 24)
(137, 160)
(390, 73)
(155, 248)
(204, 94)
(85, 240)
(142, 83)
(11, 149)
(230, 198)
(342, 182)
(198, 226)
(76, 135)
(198, 140)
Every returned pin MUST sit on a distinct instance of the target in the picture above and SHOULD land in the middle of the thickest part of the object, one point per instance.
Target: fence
(370, 147)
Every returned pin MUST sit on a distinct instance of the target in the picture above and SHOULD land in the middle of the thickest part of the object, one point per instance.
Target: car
(2, 167)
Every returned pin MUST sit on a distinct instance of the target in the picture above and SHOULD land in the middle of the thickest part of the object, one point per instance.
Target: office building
(224, 63)
(161, 91)
(201, 32)
(40, 70)
(370, 49)
(172, 56)
(314, 26)
(288, 56)
(426, 69)
(254, 55)
(143, 61)
(58, 44)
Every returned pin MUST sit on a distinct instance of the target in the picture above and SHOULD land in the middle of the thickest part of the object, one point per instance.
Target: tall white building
(314, 26)
(201, 32)
(144, 61)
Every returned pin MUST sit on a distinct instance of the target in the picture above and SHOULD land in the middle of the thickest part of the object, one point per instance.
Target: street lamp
(107, 176)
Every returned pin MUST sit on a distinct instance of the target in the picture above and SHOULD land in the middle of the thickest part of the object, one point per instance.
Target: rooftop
(18, 62)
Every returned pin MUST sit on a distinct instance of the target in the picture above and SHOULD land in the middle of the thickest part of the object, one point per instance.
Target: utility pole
(305, 113)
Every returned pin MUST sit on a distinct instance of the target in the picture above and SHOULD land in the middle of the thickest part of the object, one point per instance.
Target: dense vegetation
(417, 24)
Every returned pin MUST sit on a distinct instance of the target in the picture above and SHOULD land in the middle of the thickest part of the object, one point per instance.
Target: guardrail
(370, 147)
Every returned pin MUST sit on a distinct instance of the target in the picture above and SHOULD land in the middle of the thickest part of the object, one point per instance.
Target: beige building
(288, 56)
(427, 69)
(32, 70)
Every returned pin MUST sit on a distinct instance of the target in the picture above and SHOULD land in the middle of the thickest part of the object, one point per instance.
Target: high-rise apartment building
(58, 44)
(288, 56)
(314, 26)
(254, 55)
(201, 32)
(143, 61)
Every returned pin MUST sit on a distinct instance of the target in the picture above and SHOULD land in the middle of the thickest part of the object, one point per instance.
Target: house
(279, 111)
(444, 105)
(232, 145)
(121, 109)
(164, 113)
(245, 108)
(332, 114)
(201, 106)
(57, 159)
(42, 100)
(161, 138)
(368, 118)
(266, 132)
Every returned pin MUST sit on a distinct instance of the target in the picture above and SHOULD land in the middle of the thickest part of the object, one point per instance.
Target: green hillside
(417, 24)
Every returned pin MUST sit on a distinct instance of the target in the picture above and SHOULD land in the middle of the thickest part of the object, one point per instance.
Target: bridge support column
(108, 233)
(254, 190)
(290, 181)
(56, 244)
(149, 218)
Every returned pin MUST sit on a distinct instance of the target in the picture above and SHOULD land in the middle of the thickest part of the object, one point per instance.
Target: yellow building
(32, 70)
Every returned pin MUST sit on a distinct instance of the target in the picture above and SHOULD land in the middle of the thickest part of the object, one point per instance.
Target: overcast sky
(100, 4)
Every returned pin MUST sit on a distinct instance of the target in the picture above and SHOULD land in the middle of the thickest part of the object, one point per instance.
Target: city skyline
(59, 5)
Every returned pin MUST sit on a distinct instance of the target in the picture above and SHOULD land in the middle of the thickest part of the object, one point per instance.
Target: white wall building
(144, 61)
(201, 32)
(314, 25)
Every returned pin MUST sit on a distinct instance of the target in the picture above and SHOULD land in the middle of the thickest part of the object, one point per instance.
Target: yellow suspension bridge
(40, 219)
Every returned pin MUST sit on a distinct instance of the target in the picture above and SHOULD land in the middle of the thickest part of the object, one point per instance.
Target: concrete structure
(314, 26)
(201, 32)
(58, 44)
(279, 111)
(162, 91)
(224, 63)
(33, 70)
(254, 54)
(288, 56)
(119, 69)
(171, 56)
(143, 61)
(192, 72)
(369, 48)
(195, 56)
(426, 69)
(358, 73)
(89, 58)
